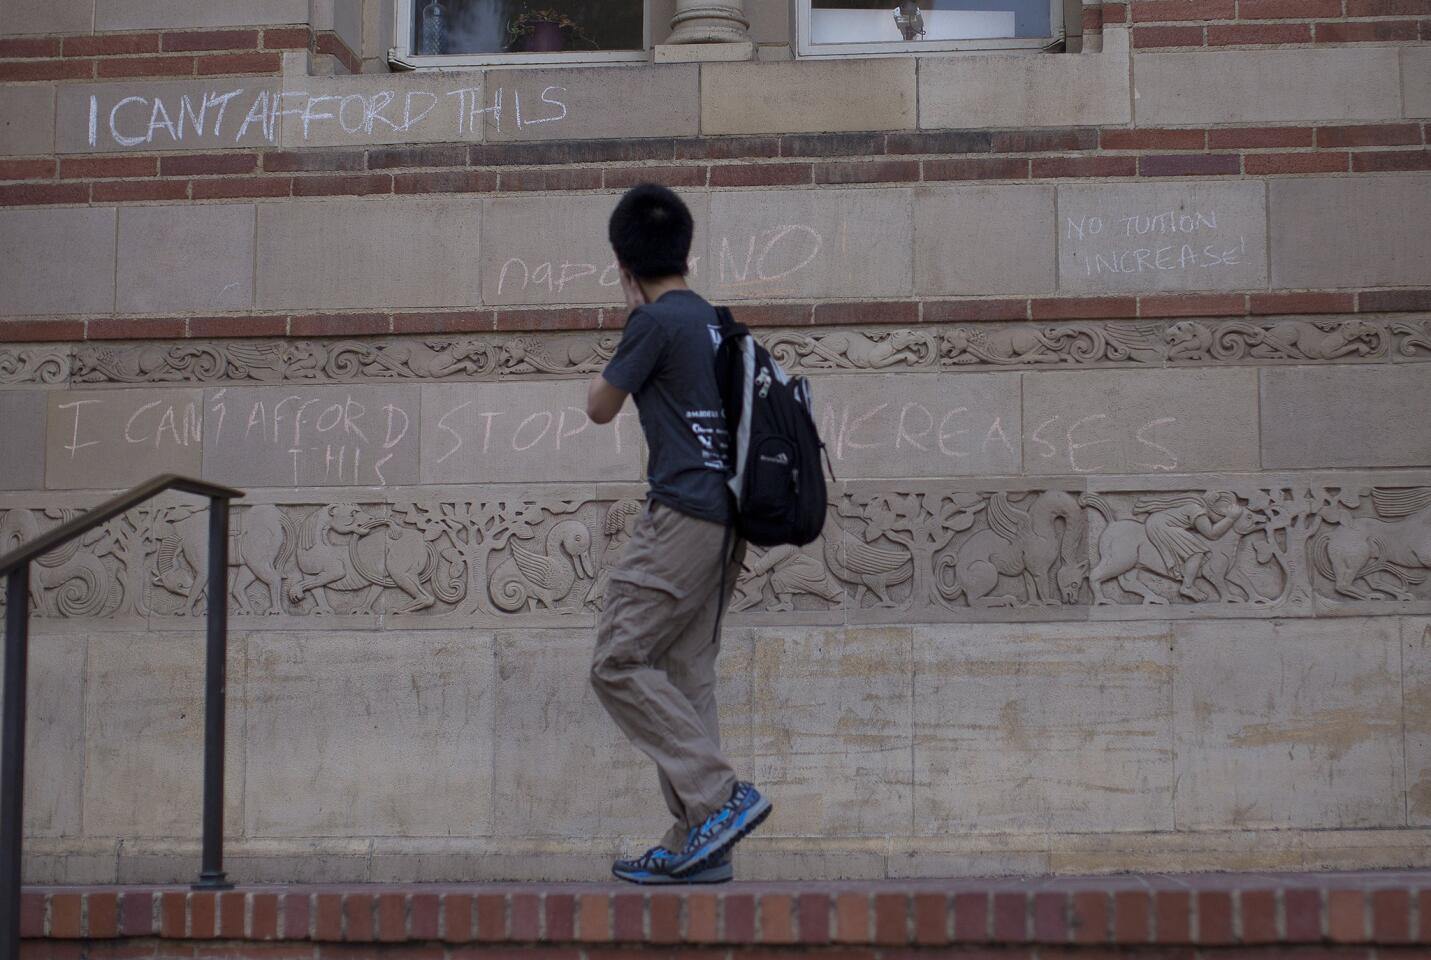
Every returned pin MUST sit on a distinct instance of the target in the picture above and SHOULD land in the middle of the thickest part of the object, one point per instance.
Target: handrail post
(12, 766)
(211, 873)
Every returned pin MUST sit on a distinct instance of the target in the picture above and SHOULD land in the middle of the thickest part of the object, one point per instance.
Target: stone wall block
(397, 108)
(151, 785)
(920, 425)
(144, 115)
(54, 735)
(831, 715)
(178, 258)
(312, 436)
(511, 433)
(1416, 662)
(1292, 86)
(183, 14)
(561, 765)
(19, 17)
(983, 240)
(111, 439)
(396, 254)
(554, 250)
(585, 103)
(1259, 706)
(1026, 729)
(57, 260)
(1416, 81)
(27, 119)
(22, 433)
(1016, 90)
(378, 735)
(1140, 422)
(1348, 416)
(810, 243)
(1209, 235)
(1350, 231)
(794, 97)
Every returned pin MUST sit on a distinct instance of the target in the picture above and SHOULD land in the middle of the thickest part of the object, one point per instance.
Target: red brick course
(1366, 31)
(111, 44)
(1165, 10)
(1269, 164)
(1258, 33)
(1154, 139)
(1288, 9)
(782, 314)
(1145, 38)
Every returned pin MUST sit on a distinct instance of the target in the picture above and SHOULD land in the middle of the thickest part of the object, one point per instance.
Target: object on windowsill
(433, 39)
(542, 31)
(909, 20)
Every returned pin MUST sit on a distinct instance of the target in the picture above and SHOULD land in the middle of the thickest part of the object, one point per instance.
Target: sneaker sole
(741, 829)
(721, 873)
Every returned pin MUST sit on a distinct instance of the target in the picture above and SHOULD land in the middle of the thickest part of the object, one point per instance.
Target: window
(456, 32)
(833, 27)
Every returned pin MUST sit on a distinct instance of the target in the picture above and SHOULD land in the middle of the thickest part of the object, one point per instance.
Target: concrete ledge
(1272, 912)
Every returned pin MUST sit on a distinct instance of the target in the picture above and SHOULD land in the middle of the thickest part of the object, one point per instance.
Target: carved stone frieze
(34, 364)
(965, 346)
(1413, 337)
(925, 551)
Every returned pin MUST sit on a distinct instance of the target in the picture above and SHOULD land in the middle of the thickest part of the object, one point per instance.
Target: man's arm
(603, 401)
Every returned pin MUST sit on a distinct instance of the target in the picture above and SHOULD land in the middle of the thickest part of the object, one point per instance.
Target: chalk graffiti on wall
(159, 119)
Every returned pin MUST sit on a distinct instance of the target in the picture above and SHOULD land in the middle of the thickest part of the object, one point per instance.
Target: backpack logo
(783, 459)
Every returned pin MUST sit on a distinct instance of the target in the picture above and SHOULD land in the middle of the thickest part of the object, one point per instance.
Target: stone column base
(708, 21)
(703, 52)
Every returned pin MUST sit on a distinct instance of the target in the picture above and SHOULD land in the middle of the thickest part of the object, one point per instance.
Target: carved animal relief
(921, 551)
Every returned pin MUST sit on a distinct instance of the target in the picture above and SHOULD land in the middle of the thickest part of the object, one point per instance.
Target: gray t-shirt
(666, 360)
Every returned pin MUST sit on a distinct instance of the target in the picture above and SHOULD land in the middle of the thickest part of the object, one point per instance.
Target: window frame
(402, 55)
(806, 48)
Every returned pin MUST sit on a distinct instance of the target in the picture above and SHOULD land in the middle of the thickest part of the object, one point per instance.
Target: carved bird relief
(530, 578)
(869, 567)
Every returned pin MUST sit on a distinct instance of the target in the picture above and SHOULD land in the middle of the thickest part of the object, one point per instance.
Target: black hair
(651, 232)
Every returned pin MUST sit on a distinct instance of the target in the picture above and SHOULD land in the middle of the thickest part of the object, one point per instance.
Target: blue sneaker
(709, 842)
(654, 867)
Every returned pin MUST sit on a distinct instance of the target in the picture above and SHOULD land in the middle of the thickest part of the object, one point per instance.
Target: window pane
(865, 21)
(522, 26)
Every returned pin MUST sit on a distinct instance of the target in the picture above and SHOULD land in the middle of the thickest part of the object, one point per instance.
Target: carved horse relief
(367, 560)
(1184, 538)
(530, 578)
(1019, 543)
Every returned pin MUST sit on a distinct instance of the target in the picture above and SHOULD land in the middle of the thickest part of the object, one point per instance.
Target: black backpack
(778, 488)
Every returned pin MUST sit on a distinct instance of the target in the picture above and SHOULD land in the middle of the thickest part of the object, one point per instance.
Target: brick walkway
(1365, 914)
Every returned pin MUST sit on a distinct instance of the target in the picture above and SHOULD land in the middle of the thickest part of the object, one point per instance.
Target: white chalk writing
(232, 115)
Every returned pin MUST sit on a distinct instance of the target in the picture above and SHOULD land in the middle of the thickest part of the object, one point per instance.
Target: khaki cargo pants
(655, 664)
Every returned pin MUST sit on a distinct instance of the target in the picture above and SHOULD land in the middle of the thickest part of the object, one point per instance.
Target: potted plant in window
(543, 31)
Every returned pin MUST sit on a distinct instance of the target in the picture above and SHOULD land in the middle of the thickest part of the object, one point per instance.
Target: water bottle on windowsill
(434, 29)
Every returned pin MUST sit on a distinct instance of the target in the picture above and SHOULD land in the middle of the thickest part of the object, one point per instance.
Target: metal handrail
(15, 567)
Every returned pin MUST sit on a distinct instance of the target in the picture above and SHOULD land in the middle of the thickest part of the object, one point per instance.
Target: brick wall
(1332, 916)
(1044, 298)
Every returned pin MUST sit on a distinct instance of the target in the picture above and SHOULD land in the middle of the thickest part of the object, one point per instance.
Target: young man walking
(656, 644)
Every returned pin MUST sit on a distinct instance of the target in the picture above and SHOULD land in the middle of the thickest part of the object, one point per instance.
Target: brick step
(1364, 914)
